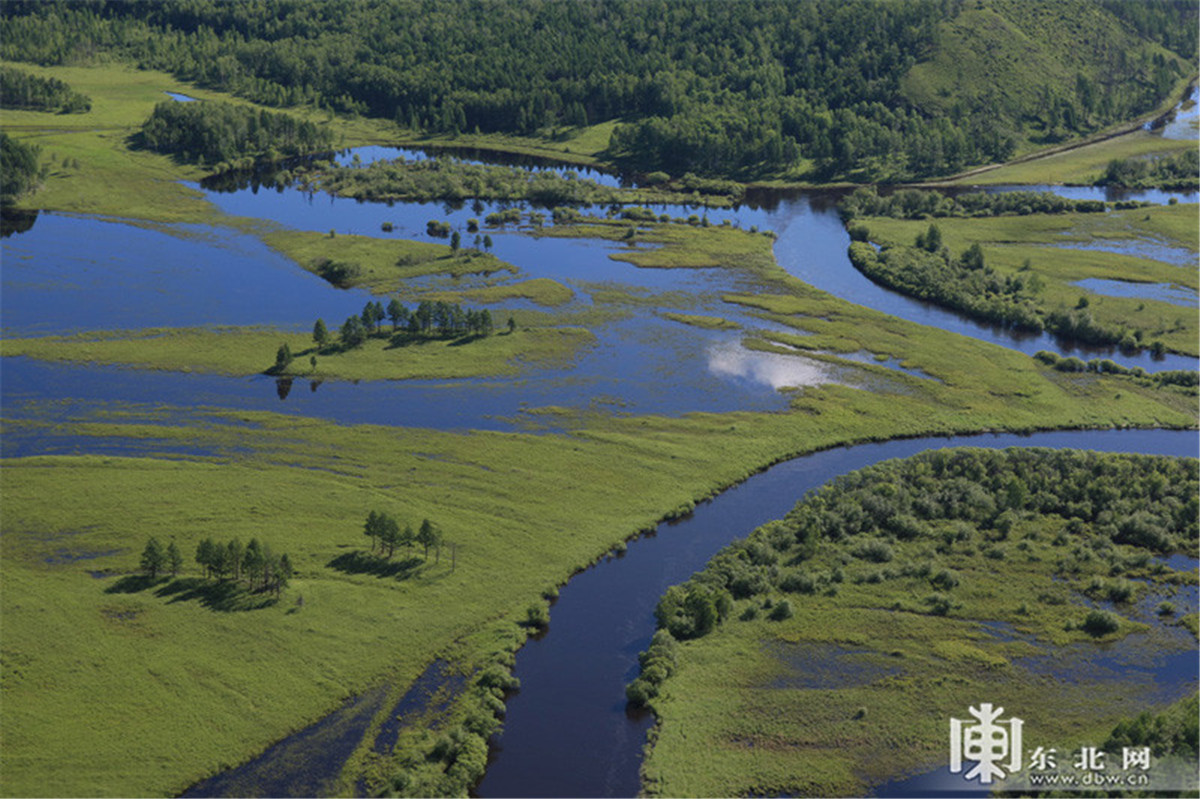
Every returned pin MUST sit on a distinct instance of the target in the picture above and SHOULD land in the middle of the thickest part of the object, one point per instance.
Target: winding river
(568, 732)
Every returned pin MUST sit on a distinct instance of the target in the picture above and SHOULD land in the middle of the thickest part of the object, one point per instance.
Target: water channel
(567, 732)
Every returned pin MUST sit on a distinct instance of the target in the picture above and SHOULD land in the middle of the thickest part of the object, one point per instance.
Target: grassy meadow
(250, 351)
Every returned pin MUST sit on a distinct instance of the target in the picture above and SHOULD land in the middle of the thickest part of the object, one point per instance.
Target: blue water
(1160, 292)
(180, 98)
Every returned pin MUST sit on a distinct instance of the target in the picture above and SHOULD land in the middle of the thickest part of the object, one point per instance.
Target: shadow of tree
(225, 596)
(133, 583)
(359, 562)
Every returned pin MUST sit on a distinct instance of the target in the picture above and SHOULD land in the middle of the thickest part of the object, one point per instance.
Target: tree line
(214, 132)
(384, 531)
(1178, 171)
(962, 501)
(255, 563)
(22, 91)
(922, 203)
(429, 319)
(713, 88)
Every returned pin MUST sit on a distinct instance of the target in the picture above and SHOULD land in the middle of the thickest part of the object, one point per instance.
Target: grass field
(1009, 241)
(249, 351)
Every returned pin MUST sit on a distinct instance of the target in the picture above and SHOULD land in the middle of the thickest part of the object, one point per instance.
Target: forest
(735, 89)
(216, 132)
(20, 90)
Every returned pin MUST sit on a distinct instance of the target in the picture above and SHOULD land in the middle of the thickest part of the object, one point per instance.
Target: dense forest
(216, 132)
(734, 89)
(1110, 511)
(20, 90)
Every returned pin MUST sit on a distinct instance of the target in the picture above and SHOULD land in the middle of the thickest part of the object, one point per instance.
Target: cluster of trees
(965, 283)
(23, 91)
(385, 531)
(20, 172)
(943, 499)
(437, 318)
(254, 562)
(451, 179)
(214, 132)
(921, 204)
(714, 88)
(1179, 171)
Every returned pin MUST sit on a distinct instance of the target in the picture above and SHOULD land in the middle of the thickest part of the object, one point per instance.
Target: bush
(1099, 623)
(537, 616)
(944, 580)
(782, 611)
(798, 582)
(874, 550)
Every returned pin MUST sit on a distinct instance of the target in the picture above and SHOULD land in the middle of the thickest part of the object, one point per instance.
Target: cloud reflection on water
(776, 370)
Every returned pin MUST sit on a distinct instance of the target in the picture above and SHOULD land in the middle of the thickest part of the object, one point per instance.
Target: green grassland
(700, 320)
(249, 351)
(383, 264)
(1079, 165)
(1008, 242)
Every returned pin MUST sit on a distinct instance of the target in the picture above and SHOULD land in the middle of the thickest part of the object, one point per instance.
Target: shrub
(944, 580)
(874, 550)
(782, 611)
(1100, 623)
(798, 582)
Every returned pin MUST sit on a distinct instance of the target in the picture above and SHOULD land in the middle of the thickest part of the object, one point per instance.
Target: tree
(252, 560)
(283, 357)
(428, 536)
(174, 558)
(153, 558)
(389, 534)
(371, 528)
(397, 313)
(512, 324)
(283, 573)
(455, 241)
(487, 242)
(320, 334)
(234, 551)
(205, 556)
(353, 334)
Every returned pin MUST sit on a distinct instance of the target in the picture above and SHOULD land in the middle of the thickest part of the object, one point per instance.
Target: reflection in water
(16, 220)
(283, 387)
(768, 368)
